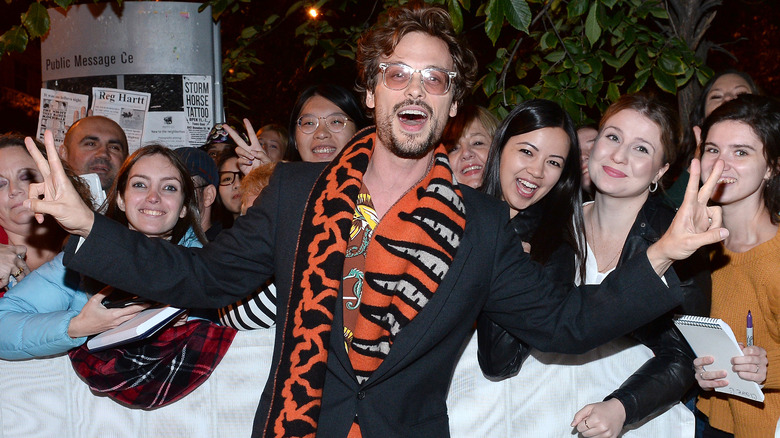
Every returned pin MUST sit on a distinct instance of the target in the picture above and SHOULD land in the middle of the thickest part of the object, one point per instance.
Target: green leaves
(495, 20)
(518, 14)
(457, 15)
(592, 28)
(664, 81)
(14, 39)
(35, 23)
(515, 12)
(36, 20)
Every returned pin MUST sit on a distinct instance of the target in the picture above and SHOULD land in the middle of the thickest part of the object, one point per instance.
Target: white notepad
(142, 326)
(713, 337)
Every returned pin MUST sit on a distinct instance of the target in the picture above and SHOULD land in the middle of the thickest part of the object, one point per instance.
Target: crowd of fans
(582, 200)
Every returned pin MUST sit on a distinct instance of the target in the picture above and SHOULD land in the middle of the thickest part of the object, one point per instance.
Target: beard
(413, 146)
(106, 179)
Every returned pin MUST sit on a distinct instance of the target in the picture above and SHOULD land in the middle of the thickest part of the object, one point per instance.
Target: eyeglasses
(334, 123)
(398, 76)
(227, 177)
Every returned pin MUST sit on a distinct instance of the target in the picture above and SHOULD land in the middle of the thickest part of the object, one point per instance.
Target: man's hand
(695, 224)
(250, 155)
(56, 195)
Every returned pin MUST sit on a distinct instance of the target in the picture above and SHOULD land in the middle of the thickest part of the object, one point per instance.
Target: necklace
(612, 260)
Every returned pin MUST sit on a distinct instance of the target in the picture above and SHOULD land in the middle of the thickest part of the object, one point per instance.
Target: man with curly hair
(381, 260)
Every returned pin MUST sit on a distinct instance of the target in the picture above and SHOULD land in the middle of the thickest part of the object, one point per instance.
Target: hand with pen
(752, 366)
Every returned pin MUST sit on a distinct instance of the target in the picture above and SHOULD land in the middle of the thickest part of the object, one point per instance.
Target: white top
(550, 388)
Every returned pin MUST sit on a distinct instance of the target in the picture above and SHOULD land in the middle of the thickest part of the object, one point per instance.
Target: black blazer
(406, 395)
(661, 381)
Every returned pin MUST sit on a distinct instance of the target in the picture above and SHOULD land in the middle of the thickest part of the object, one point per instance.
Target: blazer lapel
(337, 348)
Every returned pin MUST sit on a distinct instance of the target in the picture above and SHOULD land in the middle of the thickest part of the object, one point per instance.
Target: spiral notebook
(713, 337)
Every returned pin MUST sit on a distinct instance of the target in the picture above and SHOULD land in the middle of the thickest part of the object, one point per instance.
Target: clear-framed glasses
(334, 123)
(398, 76)
(228, 177)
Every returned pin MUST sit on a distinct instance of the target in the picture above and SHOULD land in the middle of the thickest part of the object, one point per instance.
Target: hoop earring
(653, 187)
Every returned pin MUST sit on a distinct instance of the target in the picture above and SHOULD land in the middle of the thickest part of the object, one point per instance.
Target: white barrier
(45, 398)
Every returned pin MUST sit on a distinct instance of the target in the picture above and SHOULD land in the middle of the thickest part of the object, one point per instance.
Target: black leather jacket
(663, 379)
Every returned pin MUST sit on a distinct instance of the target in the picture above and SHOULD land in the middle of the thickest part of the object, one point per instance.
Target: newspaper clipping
(127, 108)
(59, 110)
(197, 108)
(167, 128)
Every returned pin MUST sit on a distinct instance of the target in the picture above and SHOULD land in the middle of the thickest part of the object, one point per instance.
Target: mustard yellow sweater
(742, 282)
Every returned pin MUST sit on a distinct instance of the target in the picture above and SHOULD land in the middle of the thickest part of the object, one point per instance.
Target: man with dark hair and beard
(95, 144)
(382, 262)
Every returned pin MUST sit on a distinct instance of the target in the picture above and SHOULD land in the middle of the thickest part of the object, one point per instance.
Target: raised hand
(695, 224)
(250, 155)
(56, 196)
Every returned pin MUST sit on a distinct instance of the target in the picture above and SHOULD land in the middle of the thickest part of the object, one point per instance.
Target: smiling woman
(154, 194)
(322, 121)
(745, 134)
(649, 371)
(468, 136)
(54, 309)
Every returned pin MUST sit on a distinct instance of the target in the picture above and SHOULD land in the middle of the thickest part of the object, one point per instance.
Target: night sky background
(748, 29)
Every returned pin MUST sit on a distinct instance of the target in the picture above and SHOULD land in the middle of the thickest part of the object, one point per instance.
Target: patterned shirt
(363, 223)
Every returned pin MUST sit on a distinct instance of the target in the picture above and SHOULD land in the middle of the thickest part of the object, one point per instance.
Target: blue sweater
(36, 312)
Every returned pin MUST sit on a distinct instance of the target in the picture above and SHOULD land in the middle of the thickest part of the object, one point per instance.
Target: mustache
(100, 161)
(410, 102)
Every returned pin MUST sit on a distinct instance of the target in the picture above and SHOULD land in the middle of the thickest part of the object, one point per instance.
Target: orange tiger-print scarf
(411, 250)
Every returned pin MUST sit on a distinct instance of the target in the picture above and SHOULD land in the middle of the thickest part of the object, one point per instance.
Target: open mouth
(413, 118)
(471, 170)
(526, 188)
(324, 150)
(726, 180)
(151, 212)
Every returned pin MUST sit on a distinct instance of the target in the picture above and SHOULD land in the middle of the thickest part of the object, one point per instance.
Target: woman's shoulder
(656, 214)
(480, 206)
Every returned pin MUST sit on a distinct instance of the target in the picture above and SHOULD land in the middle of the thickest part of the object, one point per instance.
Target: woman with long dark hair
(650, 369)
(55, 309)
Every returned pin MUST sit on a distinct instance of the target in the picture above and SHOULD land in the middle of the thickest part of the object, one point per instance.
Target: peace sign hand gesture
(695, 225)
(56, 195)
(250, 155)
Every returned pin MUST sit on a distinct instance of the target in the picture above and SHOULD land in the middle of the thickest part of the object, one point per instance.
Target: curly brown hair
(382, 39)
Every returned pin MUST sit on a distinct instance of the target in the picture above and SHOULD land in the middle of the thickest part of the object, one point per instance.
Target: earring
(653, 186)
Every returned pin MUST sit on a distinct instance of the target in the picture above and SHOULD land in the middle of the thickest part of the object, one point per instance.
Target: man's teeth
(152, 212)
(413, 116)
(413, 113)
(727, 180)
